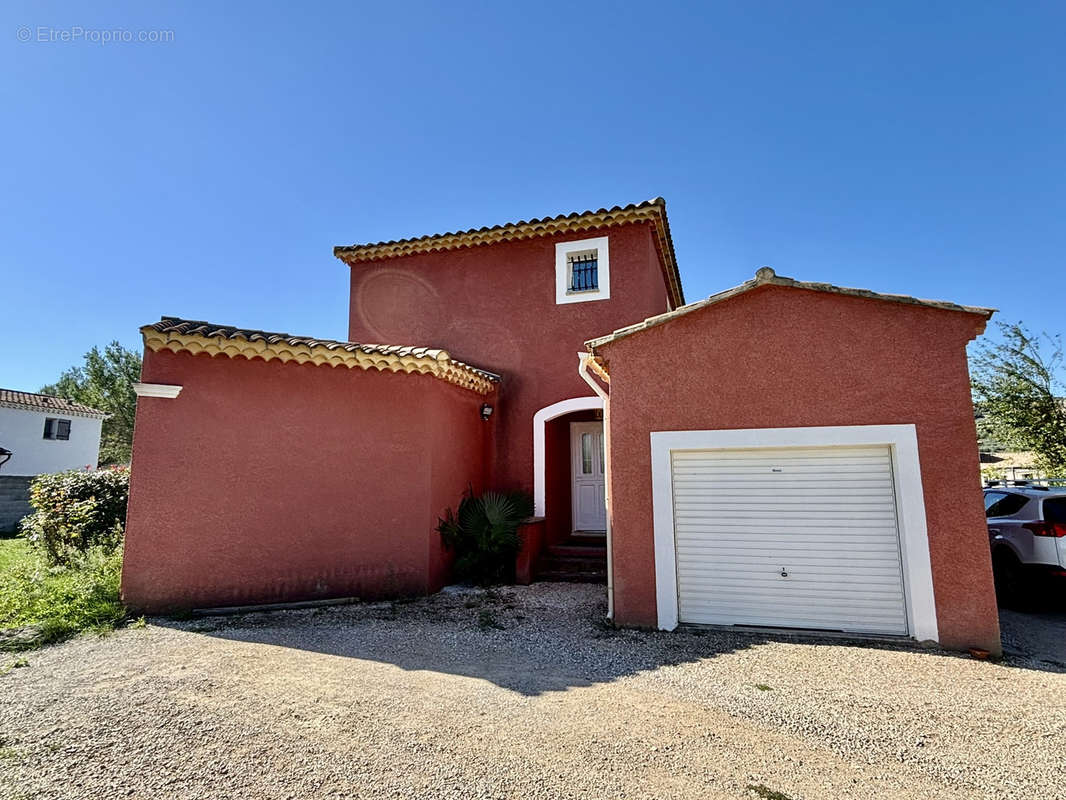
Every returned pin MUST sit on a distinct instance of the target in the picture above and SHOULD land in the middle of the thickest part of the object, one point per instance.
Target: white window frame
(902, 440)
(55, 437)
(563, 251)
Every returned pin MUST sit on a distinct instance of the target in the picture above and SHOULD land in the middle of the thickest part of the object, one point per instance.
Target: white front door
(588, 489)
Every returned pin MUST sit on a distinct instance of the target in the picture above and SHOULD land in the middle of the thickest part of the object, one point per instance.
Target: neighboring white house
(47, 434)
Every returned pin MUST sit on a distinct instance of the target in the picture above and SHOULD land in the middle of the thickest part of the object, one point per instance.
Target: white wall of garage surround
(22, 432)
(903, 446)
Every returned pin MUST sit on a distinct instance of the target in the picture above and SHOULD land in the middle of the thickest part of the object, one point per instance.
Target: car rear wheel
(1013, 589)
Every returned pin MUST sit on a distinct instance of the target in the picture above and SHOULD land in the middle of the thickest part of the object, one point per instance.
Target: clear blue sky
(915, 148)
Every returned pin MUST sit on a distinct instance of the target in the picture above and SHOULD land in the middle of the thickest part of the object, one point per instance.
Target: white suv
(1027, 533)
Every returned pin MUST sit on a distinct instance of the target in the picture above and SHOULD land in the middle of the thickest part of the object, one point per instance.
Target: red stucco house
(783, 454)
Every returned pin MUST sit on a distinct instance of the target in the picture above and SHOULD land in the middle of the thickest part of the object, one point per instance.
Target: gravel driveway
(519, 693)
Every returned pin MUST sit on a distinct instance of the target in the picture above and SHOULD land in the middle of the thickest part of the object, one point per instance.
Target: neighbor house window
(56, 428)
(582, 271)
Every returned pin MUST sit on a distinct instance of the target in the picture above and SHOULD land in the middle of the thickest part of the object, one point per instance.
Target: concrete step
(588, 576)
(576, 551)
(592, 539)
(570, 565)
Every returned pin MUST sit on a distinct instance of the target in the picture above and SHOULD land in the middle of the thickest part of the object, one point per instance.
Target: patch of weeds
(762, 687)
(18, 663)
(41, 604)
(766, 792)
(604, 628)
(486, 619)
(603, 624)
(139, 623)
(8, 754)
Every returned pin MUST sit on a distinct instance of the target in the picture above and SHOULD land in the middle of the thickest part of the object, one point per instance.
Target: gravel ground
(518, 693)
(1036, 639)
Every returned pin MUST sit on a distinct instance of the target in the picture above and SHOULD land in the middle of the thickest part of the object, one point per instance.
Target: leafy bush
(76, 512)
(40, 604)
(483, 534)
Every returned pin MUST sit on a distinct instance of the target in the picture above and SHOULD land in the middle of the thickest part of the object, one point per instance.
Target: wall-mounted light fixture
(486, 411)
(5, 456)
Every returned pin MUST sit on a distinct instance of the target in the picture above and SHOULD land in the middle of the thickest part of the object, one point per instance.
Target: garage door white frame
(902, 440)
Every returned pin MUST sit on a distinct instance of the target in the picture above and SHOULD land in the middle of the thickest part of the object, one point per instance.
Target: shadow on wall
(547, 637)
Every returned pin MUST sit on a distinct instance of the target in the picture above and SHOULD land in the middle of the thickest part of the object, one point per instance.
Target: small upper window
(56, 428)
(582, 271)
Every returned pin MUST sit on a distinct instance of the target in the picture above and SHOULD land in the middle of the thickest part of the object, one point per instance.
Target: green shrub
(77, 511)
(483, 534)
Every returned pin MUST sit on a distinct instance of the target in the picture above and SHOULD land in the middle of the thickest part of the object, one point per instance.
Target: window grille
(583, 269)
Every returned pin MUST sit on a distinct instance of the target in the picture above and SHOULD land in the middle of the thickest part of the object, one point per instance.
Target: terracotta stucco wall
(494, 306)
(458, 436)
(267, 481)
(782, 357)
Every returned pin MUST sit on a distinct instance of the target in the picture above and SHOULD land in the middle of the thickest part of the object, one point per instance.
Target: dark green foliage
(77, 511)
(483, 534)
(1017, 390)
(106, 382)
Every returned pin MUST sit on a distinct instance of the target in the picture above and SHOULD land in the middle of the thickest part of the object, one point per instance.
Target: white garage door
(792, 537)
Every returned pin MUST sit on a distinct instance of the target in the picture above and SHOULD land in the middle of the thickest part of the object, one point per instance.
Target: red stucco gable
(765, 276)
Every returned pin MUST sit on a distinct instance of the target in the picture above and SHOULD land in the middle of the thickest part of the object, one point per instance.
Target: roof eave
(90, 413)
(653, 210)
(767, 277)
(269, 346)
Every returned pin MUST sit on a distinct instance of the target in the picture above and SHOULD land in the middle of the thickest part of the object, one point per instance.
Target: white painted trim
(157, 390)
(541, 417)
(583, 370)
(562, 271)
(914, 536)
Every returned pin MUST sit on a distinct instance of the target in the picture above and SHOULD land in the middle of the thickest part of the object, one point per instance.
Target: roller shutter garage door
(792, 537)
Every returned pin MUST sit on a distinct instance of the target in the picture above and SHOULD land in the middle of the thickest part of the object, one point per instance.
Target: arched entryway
(553, 434)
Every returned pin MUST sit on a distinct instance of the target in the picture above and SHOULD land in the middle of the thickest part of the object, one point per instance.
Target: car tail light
(1056, 530)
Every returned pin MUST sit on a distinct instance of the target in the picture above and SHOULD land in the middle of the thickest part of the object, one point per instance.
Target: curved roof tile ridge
(653, 211)
(197, 336)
